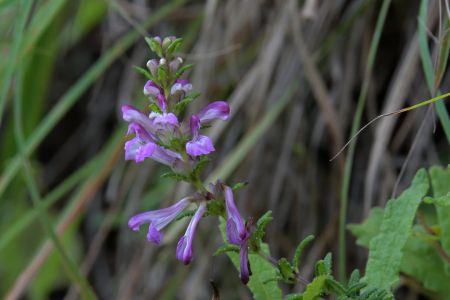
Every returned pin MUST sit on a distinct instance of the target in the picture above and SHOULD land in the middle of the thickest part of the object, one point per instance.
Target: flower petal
(233, 213)
(133, 115)
(145, 151)
(214, 110)
(158, 218)
(154, 235)
(151, 89)
(164, 118)
(131, 148)
(200, 145)
(182, 85)
(184, 247)
(232, 234)
(244, 264)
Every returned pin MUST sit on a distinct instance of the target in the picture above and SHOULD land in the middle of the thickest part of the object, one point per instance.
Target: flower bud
(175, 64)
(152, 66)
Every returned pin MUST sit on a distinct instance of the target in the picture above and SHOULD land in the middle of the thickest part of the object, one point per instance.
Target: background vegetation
(300, 76)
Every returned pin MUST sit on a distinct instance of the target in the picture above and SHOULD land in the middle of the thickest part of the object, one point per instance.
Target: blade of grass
(63, 188)
(355, 125)
(11, 64)
(69, 266)
(71, 213)
(74, 93)
(427, 65)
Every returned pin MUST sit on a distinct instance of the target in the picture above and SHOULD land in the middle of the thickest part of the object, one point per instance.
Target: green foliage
(299, 250)
(183, 69)
(181, 106)
(418, 258)
(176, 176)
(440, 183)
(256, 239)
(316, 288)
(144, 72)
(239, 185)
(174, 46)
(226, 248)
(261, 282)
(385, 249)
(155, 46)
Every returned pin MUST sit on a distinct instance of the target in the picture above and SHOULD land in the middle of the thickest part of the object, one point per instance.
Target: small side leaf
(298, 252)
(226, 248)
(183, 69)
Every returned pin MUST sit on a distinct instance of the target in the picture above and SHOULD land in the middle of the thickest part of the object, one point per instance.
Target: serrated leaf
(440, 183)
(299, 250)
(260, 284)
(226, 248)
(320, 268)
(183, 69)
(315, 288)
(385, 250)
(144, 72)
(369, 228)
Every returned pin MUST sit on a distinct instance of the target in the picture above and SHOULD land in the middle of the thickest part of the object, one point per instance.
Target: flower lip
(151, 89)
(158, 219)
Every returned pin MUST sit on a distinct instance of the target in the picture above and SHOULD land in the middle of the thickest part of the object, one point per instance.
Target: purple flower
(175, 64)
(237, 233)
(133, 115)
(158, 219)
(214, 110)
(184, 247)
(158, 39)
(153, 65)
(151, 89)
(181, 85)
(164, 118)
(199, 144)
(167, 41)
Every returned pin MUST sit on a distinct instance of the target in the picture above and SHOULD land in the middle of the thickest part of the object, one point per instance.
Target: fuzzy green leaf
(298, 252)
(440, 183)
(183, 69)
(316, 288)
(181, 106)
(174, 46)
(176, 176)
(369, 228)
(335, 286)
(154, 46)
(286, 269)
(144, 72)
(385, 250)
(257, 237)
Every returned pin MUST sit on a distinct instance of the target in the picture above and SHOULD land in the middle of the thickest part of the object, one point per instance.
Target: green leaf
(298, 252)
(185, 214)
(421, 261)
(354, 278)
(144, 72)
(369, 228)
(181, 106)
(385, 250)
(286, 269)
(176, 176)
(335, 286)
(155, 46)
(183, 69)
(174, 46)
(261, 284)
(315, 288)
(200, 166)
(328, 262)
(257, 237)
(440, 201)
(293, 297)
(440, 183)
(226, 248)
(239, 185)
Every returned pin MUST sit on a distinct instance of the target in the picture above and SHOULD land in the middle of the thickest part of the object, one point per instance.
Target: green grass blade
(19, 30)
(94, 164)
(355, 125)
(428, 68)
(75, 92)
(70, 267)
